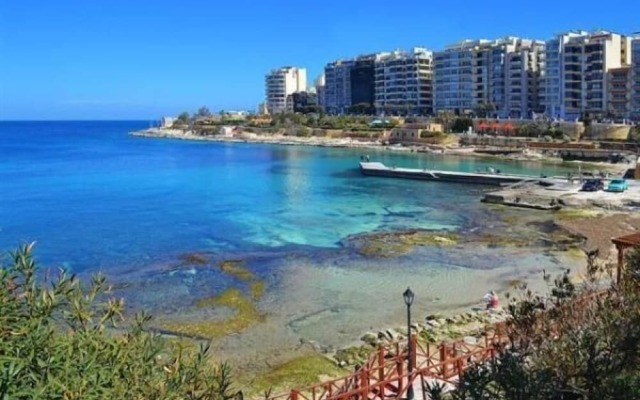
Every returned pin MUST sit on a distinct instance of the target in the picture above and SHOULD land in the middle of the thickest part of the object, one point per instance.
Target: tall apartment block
(363, 82)
(588, 66)
(619, 92)
(523, 66)
(282, 82)
(502, 74)
(454, 70)
(403, 83)
(553, 87)
(635, 79)
(337, 86)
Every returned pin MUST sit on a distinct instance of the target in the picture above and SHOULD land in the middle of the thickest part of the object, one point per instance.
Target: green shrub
(61, 340)
(565, 346)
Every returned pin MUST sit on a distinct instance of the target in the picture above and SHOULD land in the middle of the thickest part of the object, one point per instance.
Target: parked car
(618, 185)
(593, 185)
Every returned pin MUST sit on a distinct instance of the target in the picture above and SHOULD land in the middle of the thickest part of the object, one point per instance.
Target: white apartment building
(635, 79)
(453, 77)
(337, 86)
(577, 73)
(403, 82)
(523, 66)
(501, 74)
(282, 82)
(553, 82)
(619, 92)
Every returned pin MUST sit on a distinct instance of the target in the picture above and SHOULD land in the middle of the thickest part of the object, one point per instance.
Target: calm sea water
(94, 197)
(98, 199)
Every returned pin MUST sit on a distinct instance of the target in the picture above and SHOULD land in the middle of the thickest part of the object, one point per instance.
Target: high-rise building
(302, 102)
(523, 67)
(403, 83)
(282, 82)
(553, 88)
(363, 82)
(337, 86)
(578, 84)
(619, 92)
(500, 77)
(453, 76)
(635, 79)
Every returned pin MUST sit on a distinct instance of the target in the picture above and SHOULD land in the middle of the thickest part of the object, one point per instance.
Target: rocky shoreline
(435, 328)
(278, 139)
(468, 324)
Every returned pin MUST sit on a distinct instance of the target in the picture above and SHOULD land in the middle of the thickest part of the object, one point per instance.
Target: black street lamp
(408, 300)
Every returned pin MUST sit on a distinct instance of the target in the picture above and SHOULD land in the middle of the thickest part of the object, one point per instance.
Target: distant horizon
(127, 61)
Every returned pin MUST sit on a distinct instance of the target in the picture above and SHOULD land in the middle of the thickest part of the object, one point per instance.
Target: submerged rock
(394, 244)
(370, 338)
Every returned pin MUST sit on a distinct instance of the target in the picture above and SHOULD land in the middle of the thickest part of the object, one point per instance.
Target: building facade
(363, 83)
(619, 93)
(403, 83)
(453, 77)
(337, 86)
(302, 102)
(282, 82)
(577, 78)
(635, 79)
(523, 68)
(496, 78)
(553, 88)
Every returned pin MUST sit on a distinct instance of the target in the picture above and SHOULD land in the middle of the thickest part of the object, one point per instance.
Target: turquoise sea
(97, 199)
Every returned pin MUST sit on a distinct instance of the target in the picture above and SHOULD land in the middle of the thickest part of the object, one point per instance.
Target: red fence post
(443, 359)
(399, 369)
(364, 383)
(293, 395)
(381, 364)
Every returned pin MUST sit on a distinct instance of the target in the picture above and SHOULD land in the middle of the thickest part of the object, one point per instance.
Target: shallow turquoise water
(97, 199)
(92, 196)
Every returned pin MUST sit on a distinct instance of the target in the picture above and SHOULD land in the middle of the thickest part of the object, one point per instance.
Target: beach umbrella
(508, 127)
(496, 126)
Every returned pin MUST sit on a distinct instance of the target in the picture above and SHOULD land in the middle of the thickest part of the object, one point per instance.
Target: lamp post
(408, 300)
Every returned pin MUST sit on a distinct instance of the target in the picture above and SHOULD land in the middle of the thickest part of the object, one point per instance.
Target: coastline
(467, 323)
(350, 355)
(314, 141)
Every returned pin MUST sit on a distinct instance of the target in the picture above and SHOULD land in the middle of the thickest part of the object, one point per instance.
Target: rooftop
(631, 240)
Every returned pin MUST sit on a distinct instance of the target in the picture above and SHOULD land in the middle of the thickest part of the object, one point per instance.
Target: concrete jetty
(480, 178)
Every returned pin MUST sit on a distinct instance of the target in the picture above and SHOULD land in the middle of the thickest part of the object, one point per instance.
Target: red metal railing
(384, 376)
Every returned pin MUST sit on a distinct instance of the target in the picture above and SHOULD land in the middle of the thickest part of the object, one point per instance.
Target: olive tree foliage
(183, 118)
(203, 112)
(577, 343)
(60, 339)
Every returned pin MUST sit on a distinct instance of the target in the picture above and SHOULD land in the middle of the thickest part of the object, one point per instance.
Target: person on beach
(492, 301)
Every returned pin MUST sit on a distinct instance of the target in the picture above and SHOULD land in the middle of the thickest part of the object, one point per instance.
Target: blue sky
(117, 59)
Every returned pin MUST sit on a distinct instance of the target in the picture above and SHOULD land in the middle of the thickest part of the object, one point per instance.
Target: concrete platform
(493, 179)
(569, 195)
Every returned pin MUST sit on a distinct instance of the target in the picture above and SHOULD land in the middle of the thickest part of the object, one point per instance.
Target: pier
(480, 178)
(522, 191)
